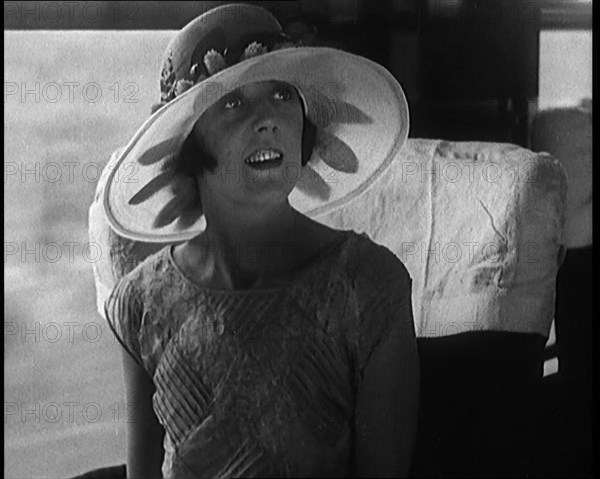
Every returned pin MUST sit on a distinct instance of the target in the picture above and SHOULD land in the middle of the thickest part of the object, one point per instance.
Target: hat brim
(358, 107)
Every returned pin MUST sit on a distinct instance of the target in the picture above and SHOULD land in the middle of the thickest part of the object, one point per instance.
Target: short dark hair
(195, 159)
(309, 139)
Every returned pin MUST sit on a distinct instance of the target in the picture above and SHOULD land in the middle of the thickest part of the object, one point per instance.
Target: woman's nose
(266, 120)
(266, 125)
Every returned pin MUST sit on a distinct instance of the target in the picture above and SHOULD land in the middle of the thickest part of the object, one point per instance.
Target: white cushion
(490, 215)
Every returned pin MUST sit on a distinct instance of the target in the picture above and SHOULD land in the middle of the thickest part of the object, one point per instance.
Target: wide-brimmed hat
(359, 110)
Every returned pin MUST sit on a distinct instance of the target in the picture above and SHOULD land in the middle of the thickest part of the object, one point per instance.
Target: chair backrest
(479, 226)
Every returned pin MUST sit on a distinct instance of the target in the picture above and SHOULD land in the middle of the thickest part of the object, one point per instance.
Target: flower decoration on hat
(214, 62)
(253, 50)
(167, 79)
(182, 86)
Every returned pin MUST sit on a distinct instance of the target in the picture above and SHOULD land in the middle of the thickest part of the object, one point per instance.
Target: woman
(262, 343)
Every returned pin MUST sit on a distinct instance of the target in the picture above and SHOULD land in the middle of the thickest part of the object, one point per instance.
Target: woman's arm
(387, 406)
(144, 433)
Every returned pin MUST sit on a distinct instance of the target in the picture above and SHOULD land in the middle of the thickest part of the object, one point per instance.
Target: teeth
(263, 155)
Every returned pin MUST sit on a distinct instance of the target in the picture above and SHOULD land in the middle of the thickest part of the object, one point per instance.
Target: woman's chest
(280, 351)
(264, 335)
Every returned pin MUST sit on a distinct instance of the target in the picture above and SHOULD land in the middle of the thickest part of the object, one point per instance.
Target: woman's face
(255, 135)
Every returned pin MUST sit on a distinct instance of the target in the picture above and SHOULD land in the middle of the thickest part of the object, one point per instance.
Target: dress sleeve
(123, 312)
(383, 287)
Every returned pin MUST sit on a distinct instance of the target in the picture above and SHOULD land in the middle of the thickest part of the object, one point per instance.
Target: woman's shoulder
(142, 278)
(380, 291)
(374, 262)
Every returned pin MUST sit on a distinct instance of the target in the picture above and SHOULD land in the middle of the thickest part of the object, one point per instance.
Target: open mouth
(265, 158)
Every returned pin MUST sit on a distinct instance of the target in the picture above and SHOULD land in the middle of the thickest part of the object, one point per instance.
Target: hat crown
(217, 39)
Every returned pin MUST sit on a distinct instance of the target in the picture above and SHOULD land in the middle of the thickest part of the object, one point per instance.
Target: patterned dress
(261, 382)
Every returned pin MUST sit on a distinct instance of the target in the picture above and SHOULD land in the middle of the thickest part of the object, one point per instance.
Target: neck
(248, 241)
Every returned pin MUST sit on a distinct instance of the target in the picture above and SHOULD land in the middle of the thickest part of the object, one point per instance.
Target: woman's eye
(233, 103)
(282, 95)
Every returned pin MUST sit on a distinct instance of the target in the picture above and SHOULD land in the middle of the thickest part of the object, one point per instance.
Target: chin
(274, 190)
